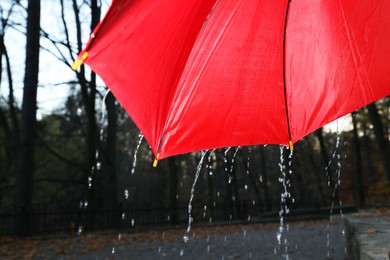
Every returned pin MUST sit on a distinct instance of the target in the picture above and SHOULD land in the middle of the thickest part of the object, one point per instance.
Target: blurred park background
(67, 159)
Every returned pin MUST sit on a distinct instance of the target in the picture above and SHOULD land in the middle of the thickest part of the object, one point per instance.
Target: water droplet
(246, 187)
(98, 166)
(126, 193)
(80, 230)
(279, 237)
(89, 182)
(123, 216)
(113, 250)
(186, 238)
(182, 252)
(79, 112)
(132, 222)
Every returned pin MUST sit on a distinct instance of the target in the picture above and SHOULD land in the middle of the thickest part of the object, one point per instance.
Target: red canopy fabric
(202, 74)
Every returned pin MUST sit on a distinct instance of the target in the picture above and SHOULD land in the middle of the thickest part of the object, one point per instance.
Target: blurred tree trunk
(25, 166)
(3, 118)
(254, 181)
(92, 135)
(2, 47)
(236, 200)
(325, 159)
(301, 187)
(367, 148)
(9, 120)
(264, 176)
(318, 176)
(13, 113)
(380, 138)
(358, 177)
(233, 190)
(110, 185)
(88, 93)
(210, 182)
(257, 191)
(173, 188)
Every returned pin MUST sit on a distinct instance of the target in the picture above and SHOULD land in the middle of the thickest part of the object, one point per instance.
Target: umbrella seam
(284, 73)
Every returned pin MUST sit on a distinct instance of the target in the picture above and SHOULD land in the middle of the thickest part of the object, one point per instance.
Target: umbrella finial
(291, 145)
(77, 63)
(156, 160)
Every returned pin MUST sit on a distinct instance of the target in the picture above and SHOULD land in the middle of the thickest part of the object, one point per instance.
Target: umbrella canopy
(202, 74)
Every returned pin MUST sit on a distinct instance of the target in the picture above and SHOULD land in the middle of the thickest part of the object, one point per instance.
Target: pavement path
(320, 239)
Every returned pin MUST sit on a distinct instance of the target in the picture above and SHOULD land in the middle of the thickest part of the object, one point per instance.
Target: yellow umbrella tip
(156, 160)
(291, 146)
(79, 61)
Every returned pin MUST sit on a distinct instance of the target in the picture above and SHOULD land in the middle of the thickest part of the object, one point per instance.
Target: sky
(51, 93)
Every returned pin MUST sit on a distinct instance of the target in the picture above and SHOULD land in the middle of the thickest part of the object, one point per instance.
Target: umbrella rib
(284, 75)
(158, 155)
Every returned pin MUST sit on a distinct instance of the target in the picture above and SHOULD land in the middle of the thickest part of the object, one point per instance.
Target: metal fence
(52, 221)
(68, 221)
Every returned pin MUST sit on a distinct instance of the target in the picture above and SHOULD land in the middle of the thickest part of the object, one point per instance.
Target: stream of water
(141, 138)
(190, 218)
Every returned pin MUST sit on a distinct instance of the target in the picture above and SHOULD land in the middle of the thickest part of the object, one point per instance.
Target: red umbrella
(202, 74)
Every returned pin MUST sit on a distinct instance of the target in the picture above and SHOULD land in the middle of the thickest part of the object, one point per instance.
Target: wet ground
(319, 239)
